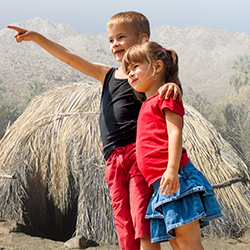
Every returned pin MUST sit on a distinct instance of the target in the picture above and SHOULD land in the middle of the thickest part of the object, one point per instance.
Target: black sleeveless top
(119, 109)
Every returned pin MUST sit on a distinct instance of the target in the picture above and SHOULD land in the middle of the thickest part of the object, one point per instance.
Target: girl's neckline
(151, 97)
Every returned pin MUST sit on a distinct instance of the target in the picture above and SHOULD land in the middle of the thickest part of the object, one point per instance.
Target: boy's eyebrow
(122, 33)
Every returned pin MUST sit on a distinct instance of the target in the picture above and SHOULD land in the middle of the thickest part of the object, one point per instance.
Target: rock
(79, 242)
(7, 227)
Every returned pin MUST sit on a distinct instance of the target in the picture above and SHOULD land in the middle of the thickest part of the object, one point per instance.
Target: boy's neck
(120, 74)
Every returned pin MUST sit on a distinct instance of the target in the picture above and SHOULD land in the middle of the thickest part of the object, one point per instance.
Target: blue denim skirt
(194, 200)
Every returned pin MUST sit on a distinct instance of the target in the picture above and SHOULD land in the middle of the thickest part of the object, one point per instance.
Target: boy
(118, 117)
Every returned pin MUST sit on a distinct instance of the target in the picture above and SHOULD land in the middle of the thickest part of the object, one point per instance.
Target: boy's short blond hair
(137, 21)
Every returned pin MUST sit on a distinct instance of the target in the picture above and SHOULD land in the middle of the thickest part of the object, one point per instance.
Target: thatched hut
(53, 154)
(224, 169)
(52, 171)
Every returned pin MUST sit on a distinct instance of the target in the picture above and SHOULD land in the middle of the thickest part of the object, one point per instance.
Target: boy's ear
(143, 38)
(158, 66)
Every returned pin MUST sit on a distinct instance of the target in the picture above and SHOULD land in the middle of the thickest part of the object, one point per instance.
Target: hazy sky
(91, 16)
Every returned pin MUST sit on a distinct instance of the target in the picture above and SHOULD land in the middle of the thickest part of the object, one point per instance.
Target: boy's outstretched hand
(21, 34)
(169, 88)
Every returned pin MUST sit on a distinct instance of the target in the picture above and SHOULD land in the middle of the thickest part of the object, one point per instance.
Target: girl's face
(141, 76)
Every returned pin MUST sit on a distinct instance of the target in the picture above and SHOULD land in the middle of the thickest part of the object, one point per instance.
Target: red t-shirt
(152, 137)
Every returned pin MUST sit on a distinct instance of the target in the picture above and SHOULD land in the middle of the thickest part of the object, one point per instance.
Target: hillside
(206, 56)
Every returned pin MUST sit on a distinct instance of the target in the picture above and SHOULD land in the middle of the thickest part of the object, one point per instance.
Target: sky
(91, 16)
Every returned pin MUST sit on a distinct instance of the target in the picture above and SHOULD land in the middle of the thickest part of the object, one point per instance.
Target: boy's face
(121, 38)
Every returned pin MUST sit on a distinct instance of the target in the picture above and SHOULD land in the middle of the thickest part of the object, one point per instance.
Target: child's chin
(119, 58)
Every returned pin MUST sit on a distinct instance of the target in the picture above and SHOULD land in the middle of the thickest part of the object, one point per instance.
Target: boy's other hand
(169, 88)
(21, 34)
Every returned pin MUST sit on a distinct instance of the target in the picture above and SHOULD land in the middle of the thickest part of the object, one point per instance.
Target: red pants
(130, 196)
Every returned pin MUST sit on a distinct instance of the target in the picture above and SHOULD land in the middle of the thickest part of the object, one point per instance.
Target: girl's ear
(158, 66)
(143, 38)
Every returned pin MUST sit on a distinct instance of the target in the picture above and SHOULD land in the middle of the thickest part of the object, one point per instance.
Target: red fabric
(130, 196)
(152, 137)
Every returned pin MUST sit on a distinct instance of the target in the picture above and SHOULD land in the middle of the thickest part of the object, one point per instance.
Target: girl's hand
(168, 88)
(170, 178)
(22, 34)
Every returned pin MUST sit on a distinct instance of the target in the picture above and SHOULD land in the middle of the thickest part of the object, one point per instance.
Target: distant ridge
(47, 27)
(205, 56)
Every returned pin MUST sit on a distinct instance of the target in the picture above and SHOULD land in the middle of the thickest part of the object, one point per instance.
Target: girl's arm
(98, 71)
(174, 129)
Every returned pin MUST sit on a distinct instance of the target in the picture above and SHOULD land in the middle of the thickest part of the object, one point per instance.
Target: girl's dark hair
(151, 52)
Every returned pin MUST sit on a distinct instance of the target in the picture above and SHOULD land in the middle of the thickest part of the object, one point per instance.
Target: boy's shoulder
(115, 82)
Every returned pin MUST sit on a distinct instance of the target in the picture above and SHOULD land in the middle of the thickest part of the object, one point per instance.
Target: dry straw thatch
(54, 152)
(54, 170)
(224, 169)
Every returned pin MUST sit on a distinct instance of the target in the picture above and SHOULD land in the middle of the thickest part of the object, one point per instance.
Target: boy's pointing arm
(98, 71)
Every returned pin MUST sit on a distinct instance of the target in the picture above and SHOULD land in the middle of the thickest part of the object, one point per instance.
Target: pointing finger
(15, 28)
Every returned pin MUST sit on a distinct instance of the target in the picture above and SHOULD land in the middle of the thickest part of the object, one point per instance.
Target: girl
(183, 200)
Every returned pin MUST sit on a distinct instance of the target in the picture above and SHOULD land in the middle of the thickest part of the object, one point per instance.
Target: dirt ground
(21, 241)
